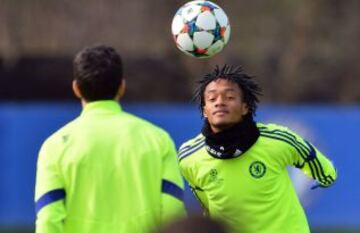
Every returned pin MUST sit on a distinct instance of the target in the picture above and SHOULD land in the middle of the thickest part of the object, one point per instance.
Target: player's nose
(220, 101)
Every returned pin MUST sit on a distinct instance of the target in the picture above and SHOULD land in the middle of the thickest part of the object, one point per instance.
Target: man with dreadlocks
(237, 168)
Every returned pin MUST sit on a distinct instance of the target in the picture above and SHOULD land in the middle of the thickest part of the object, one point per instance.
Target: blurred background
(305, 54)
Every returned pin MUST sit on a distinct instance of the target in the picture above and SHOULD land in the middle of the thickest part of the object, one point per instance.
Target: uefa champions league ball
(200, 29)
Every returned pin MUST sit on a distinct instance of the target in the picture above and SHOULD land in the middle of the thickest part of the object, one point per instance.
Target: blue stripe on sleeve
(322, 177)
(49, 198)
(172, 189)
(299, 150)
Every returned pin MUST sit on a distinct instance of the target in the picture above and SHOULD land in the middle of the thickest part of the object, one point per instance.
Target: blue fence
(333, 129)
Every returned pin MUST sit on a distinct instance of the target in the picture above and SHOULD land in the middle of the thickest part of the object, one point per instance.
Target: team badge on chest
(257, 169)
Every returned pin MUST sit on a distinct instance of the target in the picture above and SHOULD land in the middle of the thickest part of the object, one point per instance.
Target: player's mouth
(221, 112)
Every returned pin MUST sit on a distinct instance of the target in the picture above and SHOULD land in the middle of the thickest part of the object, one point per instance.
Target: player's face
(224, 104)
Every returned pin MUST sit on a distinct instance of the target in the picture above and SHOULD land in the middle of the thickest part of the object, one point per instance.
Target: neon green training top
(253, 193)
(107, 171)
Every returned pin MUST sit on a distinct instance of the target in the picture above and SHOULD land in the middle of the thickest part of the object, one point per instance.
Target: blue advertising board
(333, 129)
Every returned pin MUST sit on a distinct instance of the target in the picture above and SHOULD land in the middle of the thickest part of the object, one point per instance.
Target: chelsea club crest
(257, 169)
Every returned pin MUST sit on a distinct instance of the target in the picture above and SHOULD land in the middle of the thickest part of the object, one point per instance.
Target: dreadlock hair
(249, 87)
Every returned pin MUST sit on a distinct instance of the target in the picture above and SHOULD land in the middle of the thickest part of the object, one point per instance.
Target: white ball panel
(190, 12)
(221, 17)
(177, 25)
(206, 21)
(215, 48)
(184, 41)
(203, 39)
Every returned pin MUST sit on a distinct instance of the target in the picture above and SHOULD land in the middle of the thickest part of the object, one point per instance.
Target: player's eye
(211, 98)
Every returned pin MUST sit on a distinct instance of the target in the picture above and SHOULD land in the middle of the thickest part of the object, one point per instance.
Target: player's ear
(76, 89)
(122, 88)
(204, 112)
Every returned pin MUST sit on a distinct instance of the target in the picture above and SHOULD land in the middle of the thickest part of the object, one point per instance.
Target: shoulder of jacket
(270, 127)
(191, 146)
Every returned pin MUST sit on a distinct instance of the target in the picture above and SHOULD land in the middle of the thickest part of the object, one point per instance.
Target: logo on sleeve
(257, 169)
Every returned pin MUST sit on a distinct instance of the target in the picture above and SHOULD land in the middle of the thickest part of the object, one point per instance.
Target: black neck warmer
(231, 142)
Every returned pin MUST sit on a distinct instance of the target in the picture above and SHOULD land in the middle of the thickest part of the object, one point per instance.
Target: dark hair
(250, 89)
(98, 71)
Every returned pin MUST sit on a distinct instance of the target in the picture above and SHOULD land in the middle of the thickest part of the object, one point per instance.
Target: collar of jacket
(101, 107)
(231, 142)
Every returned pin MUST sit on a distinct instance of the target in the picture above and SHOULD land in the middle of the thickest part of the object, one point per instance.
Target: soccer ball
(200, 29)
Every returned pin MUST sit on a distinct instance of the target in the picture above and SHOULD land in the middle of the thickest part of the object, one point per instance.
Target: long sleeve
(202, 199)
(49, 194)
(186, 170)
(315, 165)
(172, 204)
(198, 192)
(302, 154)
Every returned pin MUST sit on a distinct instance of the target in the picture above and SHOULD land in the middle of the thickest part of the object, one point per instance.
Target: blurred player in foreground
(107, 170)
(237, 168)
